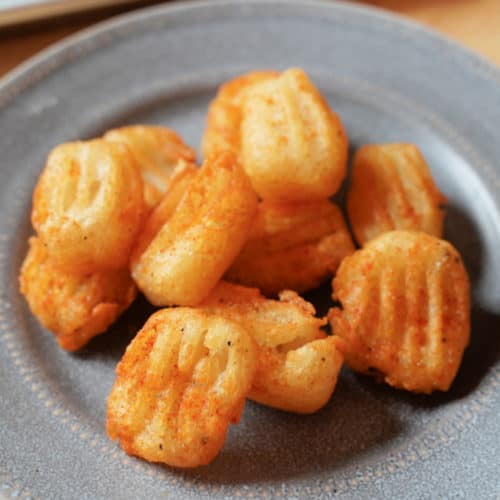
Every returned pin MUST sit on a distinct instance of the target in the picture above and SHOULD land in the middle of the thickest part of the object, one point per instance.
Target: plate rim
(116, 24)
(59, 49)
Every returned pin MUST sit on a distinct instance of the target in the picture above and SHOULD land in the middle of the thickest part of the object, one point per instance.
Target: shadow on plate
(481, 355)
(461, 231)
(112, 344)
(273, 445)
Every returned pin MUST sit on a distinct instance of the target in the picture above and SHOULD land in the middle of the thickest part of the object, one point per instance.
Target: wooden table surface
(473, 23)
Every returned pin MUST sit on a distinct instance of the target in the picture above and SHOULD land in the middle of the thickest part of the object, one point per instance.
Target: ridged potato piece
(293, 146)
(297, 364)
(73, 307)
(222, 132)
(292, 246)
(177, 186)
(392, 188)
(181, 382)
(405, 312)
(198, 243)
(88, 205)
(158, 150)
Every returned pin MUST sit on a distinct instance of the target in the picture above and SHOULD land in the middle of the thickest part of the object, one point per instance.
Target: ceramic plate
(390, 80)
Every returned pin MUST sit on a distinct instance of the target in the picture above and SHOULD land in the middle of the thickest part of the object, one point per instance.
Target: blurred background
(28, 26)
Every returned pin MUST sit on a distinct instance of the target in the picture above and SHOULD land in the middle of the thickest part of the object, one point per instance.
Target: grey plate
(390, 81)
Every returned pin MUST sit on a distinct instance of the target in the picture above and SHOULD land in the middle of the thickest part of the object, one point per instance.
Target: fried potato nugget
(88, 205)
(181, 382)
(405, 310)
(222, 132)
(392, 188)
(177, 186)
(293, 146)
(198, 243)
(73, 307)
(297, 364)
(292, 246)
(158, 150)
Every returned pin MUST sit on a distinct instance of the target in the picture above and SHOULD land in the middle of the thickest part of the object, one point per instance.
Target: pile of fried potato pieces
(226, 248)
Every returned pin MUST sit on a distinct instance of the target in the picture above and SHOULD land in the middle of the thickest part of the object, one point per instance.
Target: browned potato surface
(293, 146)
(297, 364)
(290, 143)
(292, 246)
(222, 131)
(88, 205)
(405, 310)
(392, 188)
(158, 150)
(176, 188)
(198, 243)
(181, 382)
(73, 307)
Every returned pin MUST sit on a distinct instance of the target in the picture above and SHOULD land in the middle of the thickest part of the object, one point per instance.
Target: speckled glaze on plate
(390, 80)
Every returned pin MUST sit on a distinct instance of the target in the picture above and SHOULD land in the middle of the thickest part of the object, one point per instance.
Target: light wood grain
(16, 48)
(36, 10)
(473, 23)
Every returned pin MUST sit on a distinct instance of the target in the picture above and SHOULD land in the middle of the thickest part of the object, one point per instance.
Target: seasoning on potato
(74, 307)
(176, 188)
(222, 132)
(181, 382)
(157, 150)
(405, 312)
(198, 243)
(293, 246)
(291, 144)
(392, 188)
(88, 205)
(297, 363)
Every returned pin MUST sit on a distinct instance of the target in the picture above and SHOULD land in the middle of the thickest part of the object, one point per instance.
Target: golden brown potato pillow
(290, 143)
(198, 243)
(293, 146)
(392, 188)
(297, 363)
(405, 310)
(88, 205)
(181, 382)
(74, 307)
(292, 246)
